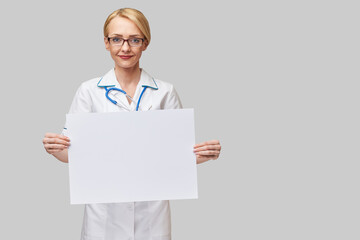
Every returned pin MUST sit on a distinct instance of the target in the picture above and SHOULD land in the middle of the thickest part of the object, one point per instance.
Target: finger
(64, 137)
(210, 157)
(211, 142)
(207, 153)
(56, 141)
(55, 146)
(54, 135)
(207, 147)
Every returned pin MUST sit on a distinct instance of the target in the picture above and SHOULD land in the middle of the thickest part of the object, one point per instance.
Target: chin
(126, 66)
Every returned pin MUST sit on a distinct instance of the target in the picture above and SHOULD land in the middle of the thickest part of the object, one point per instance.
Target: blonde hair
(135, 16)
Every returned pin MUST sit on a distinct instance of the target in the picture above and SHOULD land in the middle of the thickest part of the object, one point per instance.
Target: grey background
(275, 81)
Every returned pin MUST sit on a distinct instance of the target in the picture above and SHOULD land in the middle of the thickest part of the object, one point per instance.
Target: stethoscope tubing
(122, 91)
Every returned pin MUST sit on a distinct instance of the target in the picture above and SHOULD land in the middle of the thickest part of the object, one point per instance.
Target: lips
(125, 56)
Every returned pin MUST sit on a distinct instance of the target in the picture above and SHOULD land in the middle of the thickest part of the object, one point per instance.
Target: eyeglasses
(133, 42)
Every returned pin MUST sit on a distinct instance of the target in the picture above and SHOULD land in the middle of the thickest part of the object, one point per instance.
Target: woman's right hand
(54, 143)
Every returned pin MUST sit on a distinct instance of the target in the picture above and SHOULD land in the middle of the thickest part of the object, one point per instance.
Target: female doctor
(126, 36)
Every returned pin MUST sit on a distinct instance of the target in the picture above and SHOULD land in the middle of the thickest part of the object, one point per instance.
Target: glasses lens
(135, 42)
(116, 41)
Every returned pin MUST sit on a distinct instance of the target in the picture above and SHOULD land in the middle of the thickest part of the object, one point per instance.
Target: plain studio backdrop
(277, 82)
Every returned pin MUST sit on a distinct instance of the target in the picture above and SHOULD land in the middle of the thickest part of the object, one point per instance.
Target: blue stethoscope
(108, 90)
(127, 95)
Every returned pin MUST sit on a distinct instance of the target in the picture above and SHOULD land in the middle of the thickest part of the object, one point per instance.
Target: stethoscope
(108, 90)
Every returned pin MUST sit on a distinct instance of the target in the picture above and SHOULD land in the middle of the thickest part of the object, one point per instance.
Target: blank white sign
(132, 156)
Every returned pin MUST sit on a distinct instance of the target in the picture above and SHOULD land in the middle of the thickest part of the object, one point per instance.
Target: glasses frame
(125, 40)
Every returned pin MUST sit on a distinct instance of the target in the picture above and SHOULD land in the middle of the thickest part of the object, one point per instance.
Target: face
(124, 56)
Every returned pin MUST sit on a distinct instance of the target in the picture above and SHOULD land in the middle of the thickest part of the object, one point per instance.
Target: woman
(126, 36)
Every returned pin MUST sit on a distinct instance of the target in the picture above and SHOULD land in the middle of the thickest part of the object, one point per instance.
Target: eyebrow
(134, 35)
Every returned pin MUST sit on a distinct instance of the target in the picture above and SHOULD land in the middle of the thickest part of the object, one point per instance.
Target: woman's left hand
(209, 150)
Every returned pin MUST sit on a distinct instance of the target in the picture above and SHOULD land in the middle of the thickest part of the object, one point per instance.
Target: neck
(128, 76)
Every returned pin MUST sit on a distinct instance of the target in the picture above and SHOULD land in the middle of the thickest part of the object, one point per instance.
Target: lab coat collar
(109, 80)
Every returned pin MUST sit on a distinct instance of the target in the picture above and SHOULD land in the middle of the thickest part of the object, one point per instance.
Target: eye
(116, 39)
(135, 40)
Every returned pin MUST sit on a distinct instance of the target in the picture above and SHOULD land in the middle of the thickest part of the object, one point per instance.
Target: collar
(109, 80)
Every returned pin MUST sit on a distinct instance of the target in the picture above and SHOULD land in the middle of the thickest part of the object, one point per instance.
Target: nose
(125, 47)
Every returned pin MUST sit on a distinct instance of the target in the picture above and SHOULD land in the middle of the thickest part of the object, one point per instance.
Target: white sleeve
(82, 103)
(172, 100)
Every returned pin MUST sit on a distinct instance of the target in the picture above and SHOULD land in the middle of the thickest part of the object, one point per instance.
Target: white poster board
(132, 156)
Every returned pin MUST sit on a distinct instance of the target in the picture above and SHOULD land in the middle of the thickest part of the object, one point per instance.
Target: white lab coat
(133, 220)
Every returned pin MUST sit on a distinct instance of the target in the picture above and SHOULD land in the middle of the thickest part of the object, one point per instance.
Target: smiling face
(124, 56)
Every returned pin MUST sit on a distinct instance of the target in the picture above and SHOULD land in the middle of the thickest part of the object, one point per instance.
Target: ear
(107, 44)
(145, 45)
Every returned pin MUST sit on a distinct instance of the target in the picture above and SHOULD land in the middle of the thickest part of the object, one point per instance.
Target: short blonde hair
(135, 16)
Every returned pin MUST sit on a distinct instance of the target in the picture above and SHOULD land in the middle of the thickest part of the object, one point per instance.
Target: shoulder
(164, 86)
(168, 95)
(89, 84)
(83, 99)
(151, 81)
(89, 87)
